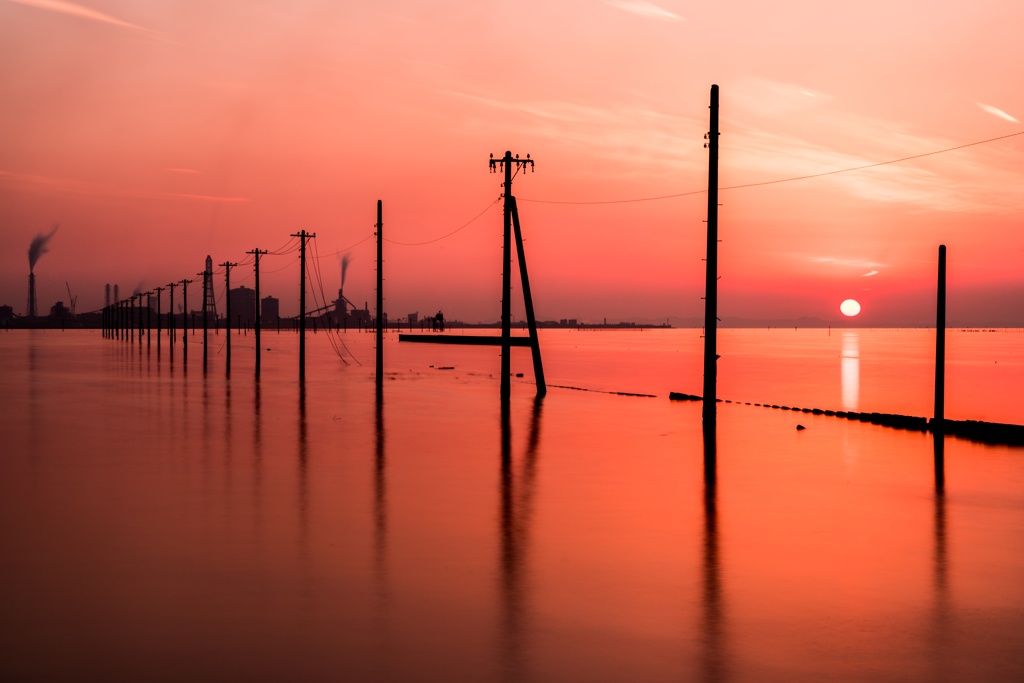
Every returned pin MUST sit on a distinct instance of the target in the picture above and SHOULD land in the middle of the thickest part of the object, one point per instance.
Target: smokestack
(117, 295)
(32, 295)
(106, 296)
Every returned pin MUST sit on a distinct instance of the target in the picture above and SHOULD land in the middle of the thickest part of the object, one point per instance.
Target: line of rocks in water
(975, 430)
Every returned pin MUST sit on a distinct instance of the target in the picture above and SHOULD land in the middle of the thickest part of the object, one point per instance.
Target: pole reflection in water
(851, 370)
(516, 510)
(303, 468)
(257, 456)
(380, 509)
(712, 622)
(941, 606)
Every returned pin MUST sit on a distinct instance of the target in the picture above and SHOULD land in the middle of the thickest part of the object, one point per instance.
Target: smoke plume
(38, 247)
(345, 260)
(138, 288)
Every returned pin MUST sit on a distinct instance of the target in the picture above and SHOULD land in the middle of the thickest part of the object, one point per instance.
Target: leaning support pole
(380, 293)
(538, 368)
(711, 280)
(940, 345)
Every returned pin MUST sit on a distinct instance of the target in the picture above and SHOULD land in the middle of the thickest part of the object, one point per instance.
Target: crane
(72, 300)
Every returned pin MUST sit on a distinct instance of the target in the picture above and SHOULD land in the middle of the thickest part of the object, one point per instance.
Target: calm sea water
(162, 523)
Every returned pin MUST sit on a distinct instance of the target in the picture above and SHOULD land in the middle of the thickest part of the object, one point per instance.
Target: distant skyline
(156, 134)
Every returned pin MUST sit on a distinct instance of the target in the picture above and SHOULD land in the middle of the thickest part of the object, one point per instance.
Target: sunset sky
(158, 132)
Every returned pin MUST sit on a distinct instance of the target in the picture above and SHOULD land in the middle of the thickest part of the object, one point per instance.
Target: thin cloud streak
(62, 7)
(645, 9)
(997, 112)
(72, 186)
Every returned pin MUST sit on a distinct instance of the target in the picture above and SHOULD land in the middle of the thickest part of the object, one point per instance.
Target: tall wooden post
(159, 328)
(302, 235)
(940, 344)
(206, 293)
(227, 316)
(711, 277)
(506, 283)
(380, 293)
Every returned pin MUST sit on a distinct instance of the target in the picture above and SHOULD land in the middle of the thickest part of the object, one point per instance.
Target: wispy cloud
(74, 186)
(79, 11)
(873, 272)
(645, 9)
(856, 263)
(997, 112)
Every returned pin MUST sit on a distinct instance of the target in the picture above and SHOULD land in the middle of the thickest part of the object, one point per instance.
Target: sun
(850, 307)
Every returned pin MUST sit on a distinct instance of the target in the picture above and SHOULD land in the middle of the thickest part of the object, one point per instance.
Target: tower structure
(210, 303)
(32, 312)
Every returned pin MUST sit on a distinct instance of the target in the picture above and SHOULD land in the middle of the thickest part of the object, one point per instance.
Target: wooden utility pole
(711, 278)
(257, 253)
(131, 319)
(505, 163)
(184, 316)
(158, 309)
(149, 321)
(206, 285)
(227, 319)
(302, 235)
(940, 345)
(380, 293)
(170, 313)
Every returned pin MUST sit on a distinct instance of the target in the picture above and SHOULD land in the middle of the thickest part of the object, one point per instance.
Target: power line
(782, 180)
(473, 220)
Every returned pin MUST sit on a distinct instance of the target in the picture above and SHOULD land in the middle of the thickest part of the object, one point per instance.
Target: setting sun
(849, 307)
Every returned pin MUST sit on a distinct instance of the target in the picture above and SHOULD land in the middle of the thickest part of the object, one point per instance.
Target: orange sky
(157, 133)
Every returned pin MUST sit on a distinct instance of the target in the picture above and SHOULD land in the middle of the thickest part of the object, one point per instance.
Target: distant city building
(414, 318)
(243, 306)
(572, 322)
(270, 310)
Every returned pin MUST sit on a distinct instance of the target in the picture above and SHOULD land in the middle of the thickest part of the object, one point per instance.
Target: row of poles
(120, 319)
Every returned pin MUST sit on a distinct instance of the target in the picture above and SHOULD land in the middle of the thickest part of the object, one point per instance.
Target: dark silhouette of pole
(206, 285)
(380, 293)
(940, 344)
(257, 253)
(302, 302)
(131, 318)
(158, 309)
(140, 319)
(184, 316)
(506, 163)
(170, 322)
(711, 279)
(538, 368)
(227, 319)
(149, 321)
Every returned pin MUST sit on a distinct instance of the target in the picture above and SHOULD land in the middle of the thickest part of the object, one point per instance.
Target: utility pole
(170, 323)
(227, 321)
(140, 319)
(257, 253)
(940, 346)
(149, 322)
(184, 316)
(206, 293)
(380, 293)
(131, 318)
(302, 303)
(506, 271)
(158, 327)
(711, 279)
